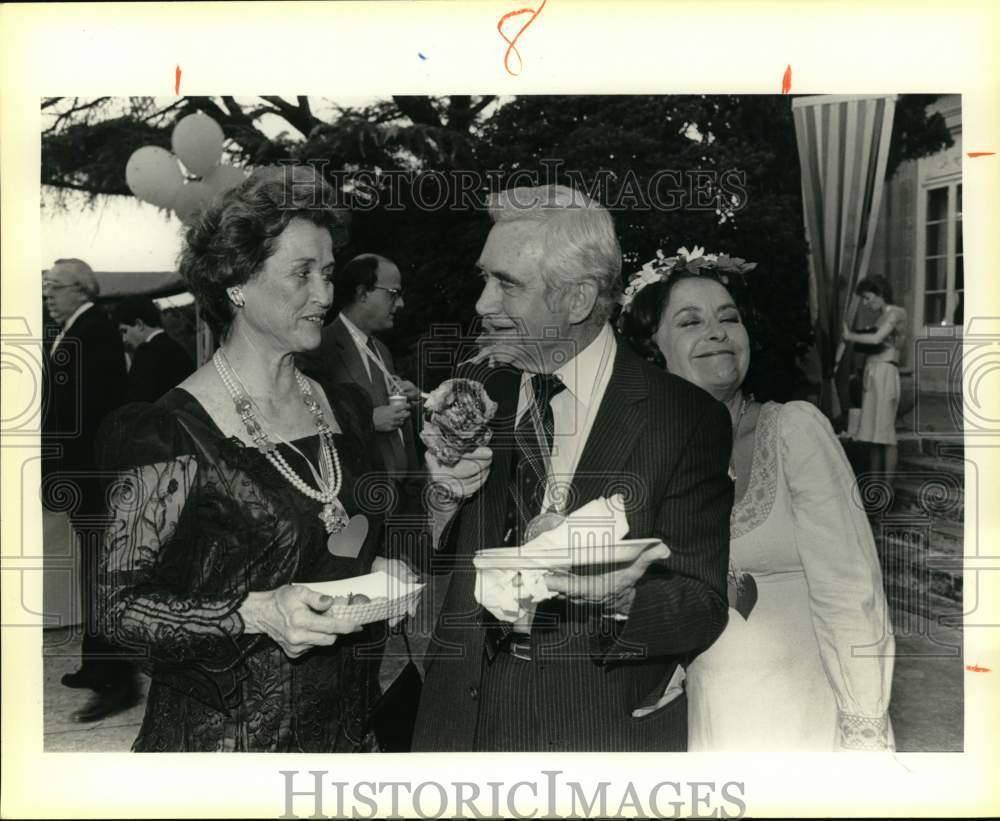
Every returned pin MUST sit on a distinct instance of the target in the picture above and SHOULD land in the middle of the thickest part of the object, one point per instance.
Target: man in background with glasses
(85, 379)
(367, 294)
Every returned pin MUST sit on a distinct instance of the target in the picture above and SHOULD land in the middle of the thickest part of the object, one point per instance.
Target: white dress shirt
(586, 379)
(360, 339)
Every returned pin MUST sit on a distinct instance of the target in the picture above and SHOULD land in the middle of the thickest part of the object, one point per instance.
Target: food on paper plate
(457, 415)
(369, 598)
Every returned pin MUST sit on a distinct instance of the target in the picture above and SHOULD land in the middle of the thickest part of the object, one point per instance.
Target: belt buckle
(520, 649)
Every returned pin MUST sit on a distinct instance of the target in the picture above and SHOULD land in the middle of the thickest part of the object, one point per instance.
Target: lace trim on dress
(755, 505)
(863, 732)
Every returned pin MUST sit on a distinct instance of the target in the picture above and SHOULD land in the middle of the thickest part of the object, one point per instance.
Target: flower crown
(692, 262)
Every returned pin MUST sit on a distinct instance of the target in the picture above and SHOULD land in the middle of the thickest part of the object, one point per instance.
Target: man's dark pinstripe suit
(663, 442)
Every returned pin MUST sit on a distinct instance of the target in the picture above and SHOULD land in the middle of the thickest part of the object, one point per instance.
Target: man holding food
(586, 660)
(368, 292)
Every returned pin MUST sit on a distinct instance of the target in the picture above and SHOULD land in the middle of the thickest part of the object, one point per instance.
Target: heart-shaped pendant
(742, 593)
(348, 542)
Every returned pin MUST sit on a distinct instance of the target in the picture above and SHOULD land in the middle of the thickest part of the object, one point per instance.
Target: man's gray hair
(579, 243)
(82, 275)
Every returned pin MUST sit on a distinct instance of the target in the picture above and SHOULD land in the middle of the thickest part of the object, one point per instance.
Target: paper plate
(390, 597)
(579, 556)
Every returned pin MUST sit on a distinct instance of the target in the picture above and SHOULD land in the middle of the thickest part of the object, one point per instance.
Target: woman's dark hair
(233, 236)
(875, 284)
(640, 322)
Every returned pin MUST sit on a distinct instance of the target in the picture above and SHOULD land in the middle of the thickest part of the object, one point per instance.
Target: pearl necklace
(333, 515)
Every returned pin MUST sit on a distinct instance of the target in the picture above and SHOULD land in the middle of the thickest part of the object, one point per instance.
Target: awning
(118, 284)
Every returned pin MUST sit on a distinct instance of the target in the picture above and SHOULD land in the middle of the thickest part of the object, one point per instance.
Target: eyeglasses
(395, 293)
(56, 286)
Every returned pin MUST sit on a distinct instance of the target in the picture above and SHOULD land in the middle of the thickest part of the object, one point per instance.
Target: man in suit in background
(159, 363)
(368, 292)
(570, 675)
(85, 380)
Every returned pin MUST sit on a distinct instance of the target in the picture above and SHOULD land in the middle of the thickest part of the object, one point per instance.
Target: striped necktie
(528, 469)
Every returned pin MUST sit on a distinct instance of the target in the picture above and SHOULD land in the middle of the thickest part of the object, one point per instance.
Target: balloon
(153, 175)
(223, 177)
(191, 198)
(197, 140)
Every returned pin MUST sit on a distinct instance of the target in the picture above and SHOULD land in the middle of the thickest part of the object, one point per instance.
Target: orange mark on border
(177, 80)
(982, 153)
(511, 44)
(786, 80)
(975, 668)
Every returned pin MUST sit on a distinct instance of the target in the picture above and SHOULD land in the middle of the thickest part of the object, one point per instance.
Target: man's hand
(463, 479)
(390, 417)
(612, 591)
(451, 485)
(408, 389)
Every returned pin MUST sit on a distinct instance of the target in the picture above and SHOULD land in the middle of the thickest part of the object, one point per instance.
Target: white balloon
(223, 177)
(190, 199)
(197, 140)
(152, 174)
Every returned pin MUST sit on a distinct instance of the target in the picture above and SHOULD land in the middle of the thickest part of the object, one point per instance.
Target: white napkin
(497, 592)
(510, 593)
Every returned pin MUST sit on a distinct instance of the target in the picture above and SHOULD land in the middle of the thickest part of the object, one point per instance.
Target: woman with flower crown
(806, 660)
(240, 483)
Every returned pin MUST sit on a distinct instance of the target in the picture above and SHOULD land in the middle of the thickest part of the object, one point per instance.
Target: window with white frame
(943, 266)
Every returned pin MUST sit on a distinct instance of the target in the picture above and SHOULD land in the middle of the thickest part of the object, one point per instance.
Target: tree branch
(163, 111)
(301, 118)
(73, 111)
(419, 109)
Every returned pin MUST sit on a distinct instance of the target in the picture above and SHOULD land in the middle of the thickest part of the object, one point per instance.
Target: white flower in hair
(662, 267)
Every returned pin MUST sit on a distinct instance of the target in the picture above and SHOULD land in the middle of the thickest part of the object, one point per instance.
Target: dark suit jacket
(158, 365)
(337, 361)
(85, 379)
(665, 444)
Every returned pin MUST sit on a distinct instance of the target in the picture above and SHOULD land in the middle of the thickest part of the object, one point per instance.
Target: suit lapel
(489, 512)
(617, 426)
(349, 353)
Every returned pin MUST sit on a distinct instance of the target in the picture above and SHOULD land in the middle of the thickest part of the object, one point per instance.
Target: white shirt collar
(156, 332)
(580, 373)
(360, 336)
(76, 315)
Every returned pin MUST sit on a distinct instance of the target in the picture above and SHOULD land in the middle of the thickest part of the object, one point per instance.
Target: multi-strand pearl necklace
(333, 514)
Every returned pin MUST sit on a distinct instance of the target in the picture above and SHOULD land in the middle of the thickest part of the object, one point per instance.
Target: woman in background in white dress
(806, 660)
(880, 399)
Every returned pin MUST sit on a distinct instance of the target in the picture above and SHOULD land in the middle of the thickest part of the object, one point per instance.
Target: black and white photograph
(533, 423)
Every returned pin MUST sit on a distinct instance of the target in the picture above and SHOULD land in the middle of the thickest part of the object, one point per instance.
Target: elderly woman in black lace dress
(239, 485)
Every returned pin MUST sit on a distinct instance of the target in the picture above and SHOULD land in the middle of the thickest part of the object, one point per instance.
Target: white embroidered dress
(811, 668)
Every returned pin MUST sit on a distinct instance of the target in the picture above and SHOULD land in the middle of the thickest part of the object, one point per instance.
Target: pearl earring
(236, 295)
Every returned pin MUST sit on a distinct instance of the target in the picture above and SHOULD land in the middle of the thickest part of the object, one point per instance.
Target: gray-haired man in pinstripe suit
(576, 673)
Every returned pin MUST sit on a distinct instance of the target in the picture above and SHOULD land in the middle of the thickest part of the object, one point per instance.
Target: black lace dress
(200, 520)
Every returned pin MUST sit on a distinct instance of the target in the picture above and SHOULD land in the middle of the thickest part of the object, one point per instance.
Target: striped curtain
(843, 144)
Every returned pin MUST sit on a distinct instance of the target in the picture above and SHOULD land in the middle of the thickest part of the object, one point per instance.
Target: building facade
(918, 247)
